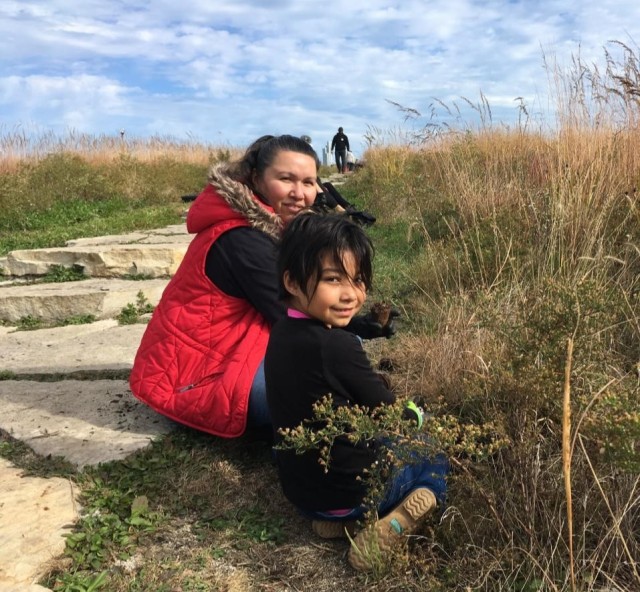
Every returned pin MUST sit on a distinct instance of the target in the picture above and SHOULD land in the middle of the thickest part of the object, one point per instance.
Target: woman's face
(289, 184)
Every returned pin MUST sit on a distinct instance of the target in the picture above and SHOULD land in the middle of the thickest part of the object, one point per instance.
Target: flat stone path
(34, 513)
(100, 346)
(86, 421)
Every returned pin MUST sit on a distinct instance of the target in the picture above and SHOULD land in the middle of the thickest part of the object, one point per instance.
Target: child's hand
(368, 327)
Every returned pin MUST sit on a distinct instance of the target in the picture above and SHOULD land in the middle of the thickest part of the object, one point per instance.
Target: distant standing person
(340, 144)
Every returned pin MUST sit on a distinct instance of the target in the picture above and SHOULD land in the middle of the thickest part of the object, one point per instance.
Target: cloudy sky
(228, 71)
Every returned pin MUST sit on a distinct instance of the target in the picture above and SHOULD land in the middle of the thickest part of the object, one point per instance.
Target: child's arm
(350, 373)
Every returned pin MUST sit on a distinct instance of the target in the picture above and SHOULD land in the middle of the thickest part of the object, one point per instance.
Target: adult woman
(200, 361)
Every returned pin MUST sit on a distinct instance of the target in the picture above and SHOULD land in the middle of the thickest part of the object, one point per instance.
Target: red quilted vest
(200, 352)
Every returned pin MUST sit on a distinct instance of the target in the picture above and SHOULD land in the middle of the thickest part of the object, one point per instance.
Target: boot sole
(388, 532)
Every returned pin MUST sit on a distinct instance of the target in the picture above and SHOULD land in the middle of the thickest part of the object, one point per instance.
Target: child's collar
(296, 314)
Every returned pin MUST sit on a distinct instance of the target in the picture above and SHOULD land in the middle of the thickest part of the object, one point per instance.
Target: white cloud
(233, 69)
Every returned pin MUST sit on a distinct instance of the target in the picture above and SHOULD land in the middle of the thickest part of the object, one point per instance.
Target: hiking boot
(375, 541)
(332, 529)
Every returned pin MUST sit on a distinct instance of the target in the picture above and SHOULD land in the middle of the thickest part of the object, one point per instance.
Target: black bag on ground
(332, 198)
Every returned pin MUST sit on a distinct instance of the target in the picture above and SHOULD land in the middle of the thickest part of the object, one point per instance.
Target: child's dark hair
(311, 236)
(261, 154)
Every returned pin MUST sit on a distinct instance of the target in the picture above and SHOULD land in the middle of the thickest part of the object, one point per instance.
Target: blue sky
(227, 71)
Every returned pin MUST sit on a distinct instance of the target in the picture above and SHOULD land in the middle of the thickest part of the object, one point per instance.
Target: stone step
(176, 233)
(87, 422)
(150, 253)
(107, 261)
(96, 348)
(54, 302)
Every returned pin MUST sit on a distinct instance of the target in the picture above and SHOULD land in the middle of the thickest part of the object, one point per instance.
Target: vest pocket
(204, 374)
(200, 382)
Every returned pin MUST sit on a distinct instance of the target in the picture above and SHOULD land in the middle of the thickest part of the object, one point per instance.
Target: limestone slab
(86, 422)
(110, 239)
(99, 346)
(102, 298)
(176, 233)
(34, 514)
(169, 230)
(101, 260)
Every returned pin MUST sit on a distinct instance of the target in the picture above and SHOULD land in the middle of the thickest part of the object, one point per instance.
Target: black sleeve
(349, 371)
(336, 196)
(346, 139)
(242, 263)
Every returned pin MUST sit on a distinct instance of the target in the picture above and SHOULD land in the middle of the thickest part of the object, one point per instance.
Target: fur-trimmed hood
(222, 193)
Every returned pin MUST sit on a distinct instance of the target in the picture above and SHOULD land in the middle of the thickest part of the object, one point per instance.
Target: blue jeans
(258, 412)
(428, 473)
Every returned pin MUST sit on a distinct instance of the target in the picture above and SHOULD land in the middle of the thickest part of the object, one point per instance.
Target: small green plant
(79, 582)
(77, 320)
(128, 315)
(62, 273)
(111, 523)
(261, 527)
(29, 323)
(131, 313)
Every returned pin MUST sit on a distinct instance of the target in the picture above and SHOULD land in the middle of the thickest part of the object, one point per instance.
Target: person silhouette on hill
(340, 144)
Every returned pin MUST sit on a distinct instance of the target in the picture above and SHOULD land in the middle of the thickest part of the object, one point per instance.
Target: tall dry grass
(528, 238)
(19, 145)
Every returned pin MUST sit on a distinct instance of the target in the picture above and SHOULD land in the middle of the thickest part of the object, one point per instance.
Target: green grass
(61, 273)
(63, 196)
(71, 220)
(31, 323)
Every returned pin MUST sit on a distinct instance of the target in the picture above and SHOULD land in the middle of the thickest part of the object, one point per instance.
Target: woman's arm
(242, 263)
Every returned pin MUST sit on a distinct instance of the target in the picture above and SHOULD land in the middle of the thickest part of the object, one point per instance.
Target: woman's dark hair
(261, 154)
(309, 237)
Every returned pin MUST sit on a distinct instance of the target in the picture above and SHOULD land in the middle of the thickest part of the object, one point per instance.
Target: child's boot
(332, 529)
(377, 540)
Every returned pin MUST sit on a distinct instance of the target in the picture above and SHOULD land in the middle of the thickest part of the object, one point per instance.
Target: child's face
(338, 297)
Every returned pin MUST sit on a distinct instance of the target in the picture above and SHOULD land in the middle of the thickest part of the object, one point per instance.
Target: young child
(325, 270)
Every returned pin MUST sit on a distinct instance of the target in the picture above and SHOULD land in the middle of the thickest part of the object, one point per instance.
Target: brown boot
(375, 541)
(332, 529)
